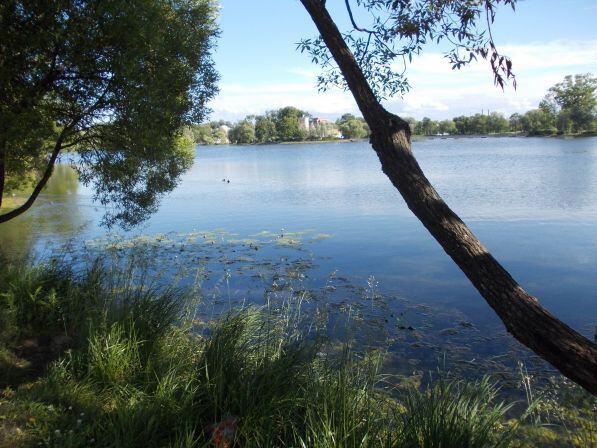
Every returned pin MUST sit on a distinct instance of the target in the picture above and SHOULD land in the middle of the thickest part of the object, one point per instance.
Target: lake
(328, 209)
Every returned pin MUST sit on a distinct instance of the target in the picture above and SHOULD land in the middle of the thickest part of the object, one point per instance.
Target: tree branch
(42, 182)
(572, 354)
(366, 100)
(354, 24)
(58, 146)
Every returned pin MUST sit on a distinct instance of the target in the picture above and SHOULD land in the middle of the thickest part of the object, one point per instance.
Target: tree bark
(572, 354)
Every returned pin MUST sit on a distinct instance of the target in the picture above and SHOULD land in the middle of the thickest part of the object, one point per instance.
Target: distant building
(318, 120)
(305, 124)
(323, 128)
(222, 135)
(320, 128)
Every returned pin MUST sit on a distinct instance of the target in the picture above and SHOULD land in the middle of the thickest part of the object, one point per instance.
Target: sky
(261, 69)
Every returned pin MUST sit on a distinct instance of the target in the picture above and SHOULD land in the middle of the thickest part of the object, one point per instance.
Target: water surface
(531, 201)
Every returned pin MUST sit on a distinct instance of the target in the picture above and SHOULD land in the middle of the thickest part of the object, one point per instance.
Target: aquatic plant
(140, 369)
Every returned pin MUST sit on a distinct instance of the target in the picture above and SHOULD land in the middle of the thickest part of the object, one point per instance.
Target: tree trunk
(572, 354)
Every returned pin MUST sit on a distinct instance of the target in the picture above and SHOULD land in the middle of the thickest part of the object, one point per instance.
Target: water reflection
(56, 216)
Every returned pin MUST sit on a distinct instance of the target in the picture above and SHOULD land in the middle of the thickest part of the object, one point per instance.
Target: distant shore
(415, 137)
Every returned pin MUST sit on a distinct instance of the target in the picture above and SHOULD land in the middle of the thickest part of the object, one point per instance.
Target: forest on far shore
(568, 108)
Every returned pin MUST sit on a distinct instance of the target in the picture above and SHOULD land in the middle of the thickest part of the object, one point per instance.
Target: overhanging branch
(42, 182)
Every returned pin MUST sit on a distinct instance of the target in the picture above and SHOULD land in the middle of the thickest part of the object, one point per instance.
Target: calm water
(531, 201)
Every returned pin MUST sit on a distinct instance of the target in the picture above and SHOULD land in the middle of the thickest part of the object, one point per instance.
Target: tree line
(569, 107)
(287, 124)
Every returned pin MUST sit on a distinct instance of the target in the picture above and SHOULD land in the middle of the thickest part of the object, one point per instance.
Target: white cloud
(308, 73)
(437, 90)
(555, 54)
(240, 89)
(537, 66)
(237, 101)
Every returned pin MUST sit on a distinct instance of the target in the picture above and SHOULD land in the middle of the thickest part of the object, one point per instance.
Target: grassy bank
(103, 358)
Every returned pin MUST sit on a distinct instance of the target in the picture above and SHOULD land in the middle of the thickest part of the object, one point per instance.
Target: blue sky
(261, 69)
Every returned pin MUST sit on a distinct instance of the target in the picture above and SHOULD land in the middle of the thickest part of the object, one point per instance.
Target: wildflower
(222, 434)
(79, 421)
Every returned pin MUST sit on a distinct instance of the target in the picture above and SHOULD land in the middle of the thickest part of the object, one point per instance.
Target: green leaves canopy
(288, 123)
(242, 133)
(352, 127)
(117, 80)
(573, 103)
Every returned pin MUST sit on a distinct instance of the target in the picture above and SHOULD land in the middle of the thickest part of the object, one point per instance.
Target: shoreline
(414, 137)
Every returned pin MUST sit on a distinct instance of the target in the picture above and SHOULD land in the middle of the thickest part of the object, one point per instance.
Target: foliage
(116, 80)
(352, 127)
(145, 374)
(563, 414)
(400, 29)
(213, 133)
(242, 133)
(446, 127)
(41, 300)
(495, 122)
(573, 103)
(322, 129)
(577, 97)
(288, 123)
(426, 127)
(538, 122)
(265, 129)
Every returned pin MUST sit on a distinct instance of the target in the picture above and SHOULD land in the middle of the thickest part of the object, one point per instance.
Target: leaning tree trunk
(572, 354)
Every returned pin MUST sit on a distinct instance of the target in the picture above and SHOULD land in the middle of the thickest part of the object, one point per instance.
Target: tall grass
(139, 373)
(455, 414)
